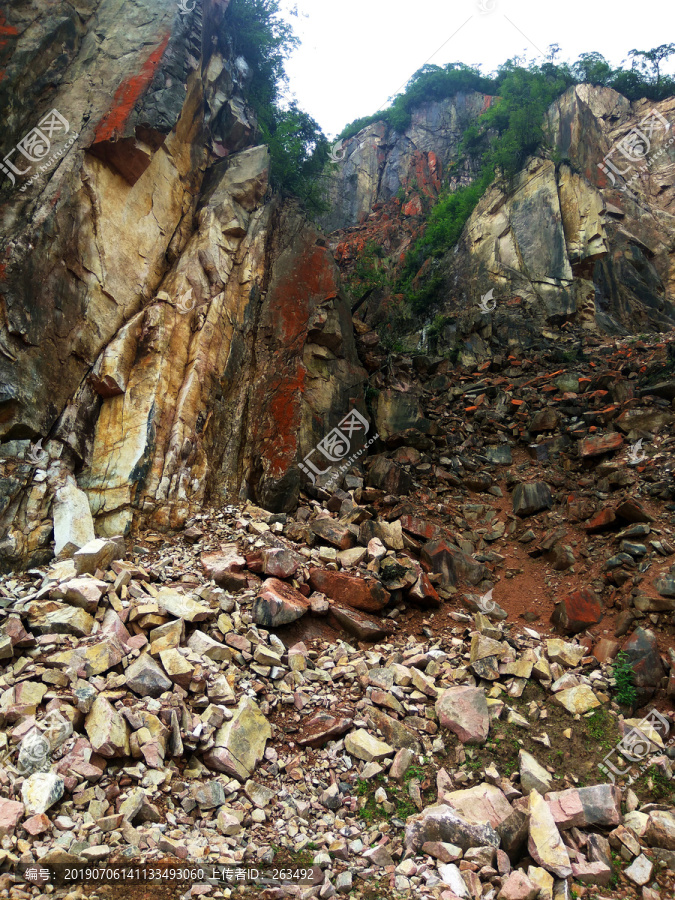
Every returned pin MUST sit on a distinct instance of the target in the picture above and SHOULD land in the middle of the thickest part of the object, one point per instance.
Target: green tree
(298, 149)
(646, 59)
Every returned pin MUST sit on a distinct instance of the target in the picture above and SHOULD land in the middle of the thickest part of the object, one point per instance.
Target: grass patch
(624, 688)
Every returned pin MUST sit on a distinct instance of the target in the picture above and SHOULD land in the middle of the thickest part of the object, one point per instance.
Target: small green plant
(624, 689)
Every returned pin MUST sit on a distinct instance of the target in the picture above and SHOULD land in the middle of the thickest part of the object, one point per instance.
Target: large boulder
(464, 711)
(442, 823)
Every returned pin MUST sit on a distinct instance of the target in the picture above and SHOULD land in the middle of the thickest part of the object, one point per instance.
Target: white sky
(355, 54)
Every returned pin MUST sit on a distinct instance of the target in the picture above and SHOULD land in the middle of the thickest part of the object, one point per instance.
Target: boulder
(533, 777)
(464, 711)
(531, 497)
(577, 611)
(583, 807)
(349, 590)
(73, 522)
(107, 730)
(442, 824)
(146, 678)
(360, 624)
(182, 606)
(240, 743)
(483, 804)
(40, 791)
(544, 843)
(331, 532)
(518, 886)
(278, 604)
(452, 564)
(11, 813)
(278, 562)
(642, 652)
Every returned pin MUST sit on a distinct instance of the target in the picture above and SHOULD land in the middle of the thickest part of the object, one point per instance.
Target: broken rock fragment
(464, 711)
(240, 743)
(278, 604)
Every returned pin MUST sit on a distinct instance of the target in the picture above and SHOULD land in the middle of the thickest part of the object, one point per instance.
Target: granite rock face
(201, 341)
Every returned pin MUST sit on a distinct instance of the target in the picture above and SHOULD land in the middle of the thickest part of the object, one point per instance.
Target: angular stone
(531, 497)
(424, 593)
(583, 807)
(107, 730)
(599, 444)
(483, 804)
(564, 653)
(518, 886)
(177, 667)
(219, 566)
(364, 746)
(642, 652)
(278, 604)
(577, 611)
(40, 791)
(11, 813)
(544, 843)
(513, 833)
(240, 743)
(442, 824)
(533, 777)
(279, 562)
(182, 606)
(596, 872)
(452, 564)
(333, 533)
(209, 795)
(441, 851)
(321, 729)
(463, 710)
(352, 557)
(450, 875)
(206, 646)
(84, 592)
(360, 624)
(640, 870)
(349, 590)
(73, 522)
(578, 700)
(660, 831)
(146, 678)
(58, 618)
(97, 554)
(396, 733)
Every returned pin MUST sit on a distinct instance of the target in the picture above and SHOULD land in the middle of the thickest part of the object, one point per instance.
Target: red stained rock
(278, 604)
(424, 593)
(333, 533)
(420, 528)
(322, 728)
(605, 650)
(604, 519)
(37, 824)
(350, 590)
(577, 611)
(363, 626)
(451, 563)
(599, 444)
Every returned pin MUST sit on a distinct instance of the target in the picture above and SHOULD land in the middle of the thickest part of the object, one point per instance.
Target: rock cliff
(170, 330)
(567, 243)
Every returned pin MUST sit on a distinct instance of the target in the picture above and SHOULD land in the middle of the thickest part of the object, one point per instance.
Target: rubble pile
(339, 688)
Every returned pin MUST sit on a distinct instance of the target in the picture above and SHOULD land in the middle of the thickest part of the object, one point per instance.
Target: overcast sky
(355, 54)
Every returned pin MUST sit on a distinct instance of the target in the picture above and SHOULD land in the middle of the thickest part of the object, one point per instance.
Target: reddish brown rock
(361, 625)
(349, 590)
(633, 511)
(447, 560)
(330, 531)
(223, 563)
(605, 650)
(599, 444)
(420, 528)
(577, 611)
(424, 593)
(601, 520)
(321, 728)
(278, 604)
